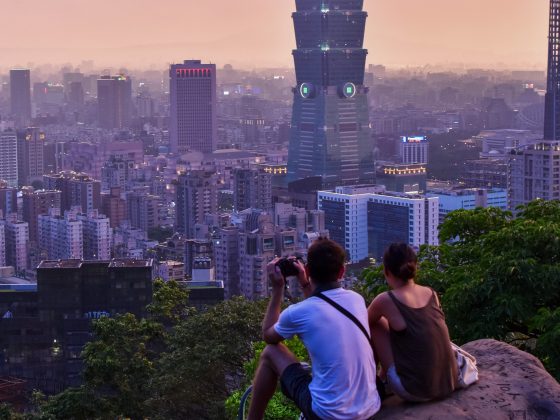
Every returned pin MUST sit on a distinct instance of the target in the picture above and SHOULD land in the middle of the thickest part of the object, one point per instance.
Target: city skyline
(151, 34)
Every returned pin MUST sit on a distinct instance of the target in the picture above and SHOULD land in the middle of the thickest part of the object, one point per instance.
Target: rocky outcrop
(513, 385)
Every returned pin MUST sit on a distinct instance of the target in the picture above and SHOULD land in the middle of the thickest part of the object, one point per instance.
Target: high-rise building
(252, 188)
(413, 149)
(61, 237)
(30, 156)
(469, 199)
(197, 196)
(144, 210)
(77, 189)
(404, 178)
(20, 96)
(331, 134)
(97, 236)
(366, 222)
(36, 203)
(193, 124)
(552, 98)
(114, 101)
(17, 243)
(8, 199)
(534, 172)
(117, 172)
(226, 257)
(114, 206)
(9, 158)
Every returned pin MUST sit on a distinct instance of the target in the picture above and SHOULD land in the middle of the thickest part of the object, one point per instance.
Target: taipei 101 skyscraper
(330, 133)
(552, 101)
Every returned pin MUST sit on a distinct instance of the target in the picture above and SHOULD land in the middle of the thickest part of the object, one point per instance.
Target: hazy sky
(260, 32)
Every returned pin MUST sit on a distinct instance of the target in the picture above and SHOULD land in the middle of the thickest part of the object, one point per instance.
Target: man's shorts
(295, 385)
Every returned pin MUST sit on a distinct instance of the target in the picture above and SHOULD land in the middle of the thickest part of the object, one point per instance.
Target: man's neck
(323, 287)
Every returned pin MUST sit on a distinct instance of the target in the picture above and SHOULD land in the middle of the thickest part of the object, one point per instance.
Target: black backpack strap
(345, 312)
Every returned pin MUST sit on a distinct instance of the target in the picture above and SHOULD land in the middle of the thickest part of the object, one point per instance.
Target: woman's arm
(376, 309)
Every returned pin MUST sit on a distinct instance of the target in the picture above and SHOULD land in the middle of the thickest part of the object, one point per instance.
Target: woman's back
(421, 346)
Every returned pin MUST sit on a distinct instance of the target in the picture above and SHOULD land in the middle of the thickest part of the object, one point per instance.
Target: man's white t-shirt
(343, 385)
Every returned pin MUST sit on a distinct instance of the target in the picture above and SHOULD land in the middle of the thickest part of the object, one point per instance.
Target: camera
(287, 266)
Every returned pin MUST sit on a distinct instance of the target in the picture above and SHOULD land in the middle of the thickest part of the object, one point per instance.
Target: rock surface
(513, 385)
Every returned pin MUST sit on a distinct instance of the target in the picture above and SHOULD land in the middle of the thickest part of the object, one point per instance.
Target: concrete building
(197, 196)
(9, 158)
(30, 156)
(97, 236)
(114, 207)
(51, 321)
(36, 203)
(77, 189)
(171, 270)
(17, 243)
(469, 199)
(20, 96)
(61, 237)
(403, 178)
(413, 149)
(117, 172)
(145, 211)
(114, 101)
(365, 223)
(226, 257)
(252, 188)
(534, 172)
(8, 199)
(192, 91)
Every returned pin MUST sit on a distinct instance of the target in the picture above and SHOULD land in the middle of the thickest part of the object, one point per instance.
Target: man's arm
(270, 336)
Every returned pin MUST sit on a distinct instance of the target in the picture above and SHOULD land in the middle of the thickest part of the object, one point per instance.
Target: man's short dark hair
(325, 259)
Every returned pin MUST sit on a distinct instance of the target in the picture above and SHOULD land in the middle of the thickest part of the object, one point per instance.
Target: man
(342, 385)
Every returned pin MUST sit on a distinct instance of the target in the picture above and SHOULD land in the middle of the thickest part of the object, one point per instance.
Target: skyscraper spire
(330, 134)
(552, 101)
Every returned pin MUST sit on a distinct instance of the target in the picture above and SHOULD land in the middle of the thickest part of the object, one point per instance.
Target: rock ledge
(513, 385)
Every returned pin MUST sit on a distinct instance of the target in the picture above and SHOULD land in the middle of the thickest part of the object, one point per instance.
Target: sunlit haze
(257, 33)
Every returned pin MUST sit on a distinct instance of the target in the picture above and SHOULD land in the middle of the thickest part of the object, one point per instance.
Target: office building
(17, 243)
(144, 210)
(114, 207)
(77, 189)
(61, 237)
(485, 173)
(534, 173)
(365, 221)
(114, 102)
(252, 188)
(9, 158)
(197, 196)
(8, 199)
(469, 199)
(97, 236)
(413, 149)
(30, 156)
(403, 178)
(171, 270)
(226, 250)
(331, 135)
(20, 96)
(192, 91)
(51, 321)
(36, 203)
(552, 98)
(117, 172)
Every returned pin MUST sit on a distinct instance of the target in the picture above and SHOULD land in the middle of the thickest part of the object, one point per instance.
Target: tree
(205, 360)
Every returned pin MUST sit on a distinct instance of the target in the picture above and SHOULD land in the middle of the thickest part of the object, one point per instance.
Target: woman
(409, 334)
